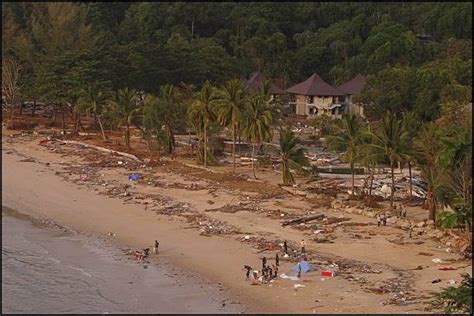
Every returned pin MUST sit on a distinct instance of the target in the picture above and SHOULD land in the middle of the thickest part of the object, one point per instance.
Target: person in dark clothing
(299, 270)
(145, 252)
(269, 273)
(264, 263)
(155, 249)
(275, 271)
(277, 260)
(285, 246)
(247, 274)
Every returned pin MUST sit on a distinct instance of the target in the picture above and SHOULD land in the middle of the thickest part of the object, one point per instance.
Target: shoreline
(38, 187)
(171, 284)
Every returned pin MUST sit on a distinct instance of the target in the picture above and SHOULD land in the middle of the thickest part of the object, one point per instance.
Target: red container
(327, 273)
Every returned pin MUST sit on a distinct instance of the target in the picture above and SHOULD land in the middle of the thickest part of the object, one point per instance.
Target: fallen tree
(110, 151)
(302, 219)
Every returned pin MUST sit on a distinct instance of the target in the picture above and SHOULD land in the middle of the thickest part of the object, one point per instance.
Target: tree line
(414, 55)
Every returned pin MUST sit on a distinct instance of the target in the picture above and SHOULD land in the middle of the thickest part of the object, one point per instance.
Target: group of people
(402, 211)
(267, 273)
(142, 255)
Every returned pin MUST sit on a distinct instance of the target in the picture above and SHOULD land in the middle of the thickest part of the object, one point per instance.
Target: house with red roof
(314, 97)
(352, 88)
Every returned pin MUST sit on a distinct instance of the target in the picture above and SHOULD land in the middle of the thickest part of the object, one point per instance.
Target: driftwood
(302, 219)
(110, 151)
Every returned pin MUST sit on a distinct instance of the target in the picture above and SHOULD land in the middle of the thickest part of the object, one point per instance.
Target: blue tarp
(305, 267)
(134, 177)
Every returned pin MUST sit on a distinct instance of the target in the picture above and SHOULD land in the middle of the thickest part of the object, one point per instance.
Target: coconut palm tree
(348, 140)
(291, 156)
(94, 101)
(125, 105)
(231, 105)
(368, 156)
(257, 123)
(203, 109)
(389, 141)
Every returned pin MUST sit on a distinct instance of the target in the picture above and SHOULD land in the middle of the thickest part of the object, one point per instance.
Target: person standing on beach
(264, 263)
(275, 271)
(303, 246)
(155, 249)
(247, 274)
(299, 270)
(379, 219)
(285, 246)
(277, 260)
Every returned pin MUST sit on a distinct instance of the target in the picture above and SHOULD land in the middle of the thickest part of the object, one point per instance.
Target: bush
(456, 299)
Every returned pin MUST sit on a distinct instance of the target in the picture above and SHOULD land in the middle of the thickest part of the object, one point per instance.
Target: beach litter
(328, 273)
(290, 277)
(447, 269)
(436, 281)
(297, 286)
(134, 177)
(451, 282)
(437, 260)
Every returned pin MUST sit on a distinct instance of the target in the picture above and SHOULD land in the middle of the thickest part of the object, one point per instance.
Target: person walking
(285, 247)
(303, 246)
(247, 274)
(299, 270)
(277, 260)
(264, 263)
(379, 219)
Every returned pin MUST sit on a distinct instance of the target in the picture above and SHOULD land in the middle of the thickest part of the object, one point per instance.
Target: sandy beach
(376, 272)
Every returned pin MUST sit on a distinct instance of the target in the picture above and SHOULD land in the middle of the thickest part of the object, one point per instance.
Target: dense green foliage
(414, 54)
(456, 299)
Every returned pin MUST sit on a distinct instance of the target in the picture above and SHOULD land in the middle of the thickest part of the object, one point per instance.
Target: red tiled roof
(314, 85)
(353, 86)
(256, 83)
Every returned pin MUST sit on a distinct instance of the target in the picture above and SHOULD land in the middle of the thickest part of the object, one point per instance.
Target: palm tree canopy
(389, 138)
(125, 104)
(348, 139)
(231, 103)
(92, 100)
(290, 151)
(203, 107)
(258, 119)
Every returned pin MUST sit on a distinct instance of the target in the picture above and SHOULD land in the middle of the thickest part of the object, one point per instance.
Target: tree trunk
(431, 205)
(75, 117)
(352, 173)
(409, 172)
(12, 108)
(21, 108)
(371, 183)
(127, 136)
(233, 145)
(205, 147)
(240, 140)
(392, 191)
(253, 162)
(33, 109)
(63, 121)
(104, 137)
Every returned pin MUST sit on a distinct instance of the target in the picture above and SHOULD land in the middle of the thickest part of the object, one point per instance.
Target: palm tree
(257, 123)
(411, 126)
(202, 109)
(428, 148)
(369, 156)
(230, 107)
(349, 141)
(170, 112)
(125, 104)
(389, 141)
(291, 156)
(94, 101)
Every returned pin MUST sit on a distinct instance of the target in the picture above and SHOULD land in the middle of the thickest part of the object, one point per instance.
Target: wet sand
(47, 269)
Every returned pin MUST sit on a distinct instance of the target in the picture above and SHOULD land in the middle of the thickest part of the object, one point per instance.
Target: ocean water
(48, 270)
